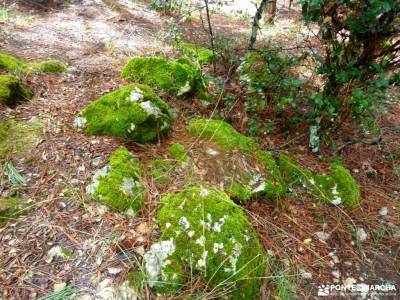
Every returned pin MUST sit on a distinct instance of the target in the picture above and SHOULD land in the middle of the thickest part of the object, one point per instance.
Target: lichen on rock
(13, 91)
(13, 64)
(176, 77)
(207, 233)
(119, 183)
(19, 137)
(337, 187)
(134, 112)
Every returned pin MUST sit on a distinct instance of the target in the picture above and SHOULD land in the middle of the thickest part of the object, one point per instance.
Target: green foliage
(221, 133)
(11, 63)
(239, 192)
(134, 112)
(204, 234)
(118, 184)
(12, 91)
(18, 138)
(337, 187)
(361, 44)
(176, 77)
(178, 152)
(268, 72)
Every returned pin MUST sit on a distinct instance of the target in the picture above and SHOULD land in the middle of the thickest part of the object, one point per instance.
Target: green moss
(161, 169)
(11, 63)
(337, 187)
(178, 152)
(18, 138)
(176, 77)
(118, 184)
(221, 133)
(11, 209)
(50, 66)
(202, 55)
(240, 192)
(205, 234)
(12, 91)
(134, 112)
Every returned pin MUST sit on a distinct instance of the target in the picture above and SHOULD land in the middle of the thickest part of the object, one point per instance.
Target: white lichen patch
(183, 221)
(259, 188)
(211, 152)
(201, 241)
(336, 199)
(131, 128)
(80, 122)
(157, 258)
(217, 247)
(203, 192)
(128, 186)
(184, 89)
(92, 187)
(202, 262)
(150, 108)
(136, 95)
(58, 251)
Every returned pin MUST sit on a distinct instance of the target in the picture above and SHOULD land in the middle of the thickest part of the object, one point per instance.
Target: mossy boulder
(119, 183)
(11, 209)
(19, 137)
(13, 64)
(242, 183)
(337, 187)
(134, 112)
(176, 77)
(13, 91)
(204, 234)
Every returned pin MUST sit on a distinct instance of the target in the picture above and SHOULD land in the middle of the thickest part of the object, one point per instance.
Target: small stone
(143, 228)
(349, 281)
(323, 236)
(336, 274)
(96, 161)
(306, 275)
(383, 211)
(361, 235)
(59, 286)
(114, 271)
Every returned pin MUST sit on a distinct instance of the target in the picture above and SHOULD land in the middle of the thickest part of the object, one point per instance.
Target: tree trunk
(256, 22)
(271, 11)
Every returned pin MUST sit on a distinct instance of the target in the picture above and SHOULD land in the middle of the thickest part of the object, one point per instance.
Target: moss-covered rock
(221, 133)
(119, 183)
(206, 235)
(13, 91)
(134, 112)
(11, 63)
(11, 209)
(201, 55)
(19, 137)
(178, 152)
(242, 185)
(337, 187)
(176, 77)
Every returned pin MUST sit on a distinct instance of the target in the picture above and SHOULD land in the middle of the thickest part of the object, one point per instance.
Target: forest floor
(95, 38)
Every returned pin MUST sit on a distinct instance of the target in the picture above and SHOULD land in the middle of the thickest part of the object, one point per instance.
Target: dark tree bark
(271, 10)
(256, 23)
